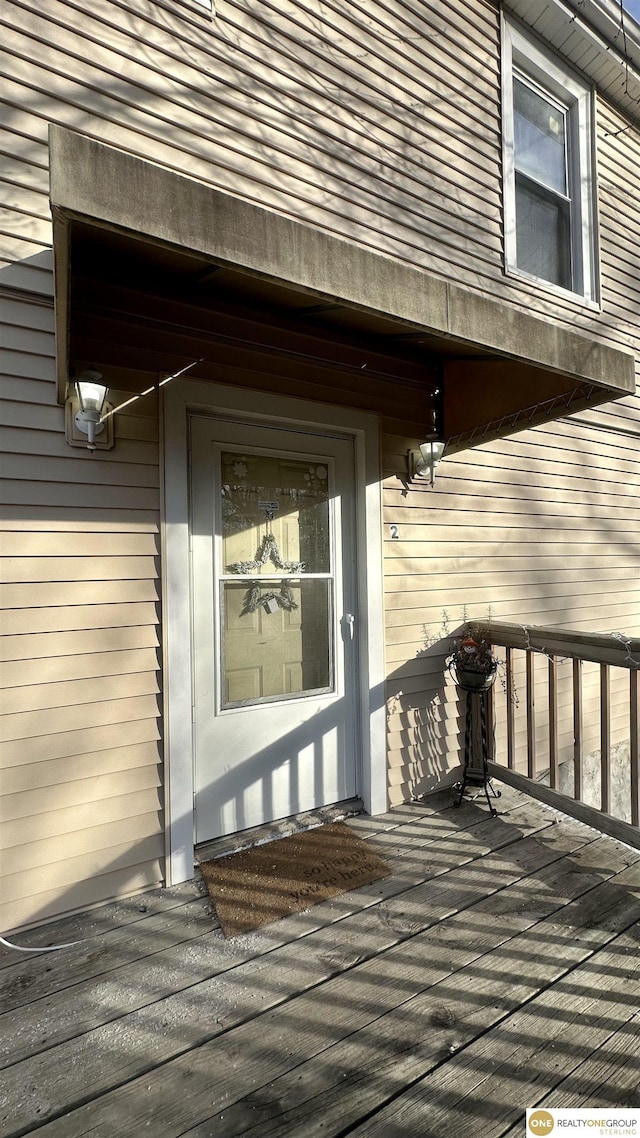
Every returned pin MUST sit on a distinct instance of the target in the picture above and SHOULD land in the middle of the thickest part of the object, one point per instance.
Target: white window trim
(547, 71)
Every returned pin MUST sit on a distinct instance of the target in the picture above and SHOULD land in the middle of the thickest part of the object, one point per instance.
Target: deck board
(530, 1050)
(497, 947)
(422, 1034)
(610, 1075)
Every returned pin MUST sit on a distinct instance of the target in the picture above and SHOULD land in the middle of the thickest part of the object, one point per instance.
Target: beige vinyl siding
(368, 121)
(541, 528)
(81, 781)
(282, 136)
(376, 122)
(79, 576)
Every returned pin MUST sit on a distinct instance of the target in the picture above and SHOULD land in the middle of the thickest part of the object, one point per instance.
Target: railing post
(531, 717)
(553, 722)
(490, 709)
(511, 725)
(577, 730)
(634, 704)
(605, 739)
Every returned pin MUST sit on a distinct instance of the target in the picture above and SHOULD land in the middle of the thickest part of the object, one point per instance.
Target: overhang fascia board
(62, 297)
(86, 181)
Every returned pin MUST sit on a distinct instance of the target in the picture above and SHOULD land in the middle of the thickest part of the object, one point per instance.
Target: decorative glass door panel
(284, 628)
(273, 587)
(276, 515)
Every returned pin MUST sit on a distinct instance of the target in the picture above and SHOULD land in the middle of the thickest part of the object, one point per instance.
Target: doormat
(265, 883)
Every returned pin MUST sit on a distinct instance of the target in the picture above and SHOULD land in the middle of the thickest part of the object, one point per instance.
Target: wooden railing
(536, 741)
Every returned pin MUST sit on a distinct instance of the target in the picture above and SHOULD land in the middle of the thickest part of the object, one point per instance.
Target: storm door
(273, 586)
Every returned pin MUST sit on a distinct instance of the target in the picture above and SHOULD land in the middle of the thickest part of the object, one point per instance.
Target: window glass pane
(540, 138)
(277, 639)
(275, 514)
(542, 234)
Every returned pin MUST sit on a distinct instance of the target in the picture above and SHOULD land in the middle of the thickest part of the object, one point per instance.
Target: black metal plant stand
(474, 775)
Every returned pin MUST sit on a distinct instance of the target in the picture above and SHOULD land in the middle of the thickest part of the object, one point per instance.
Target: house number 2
(393, 530)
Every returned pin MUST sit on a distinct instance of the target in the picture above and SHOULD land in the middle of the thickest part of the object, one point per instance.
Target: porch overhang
(503, 368)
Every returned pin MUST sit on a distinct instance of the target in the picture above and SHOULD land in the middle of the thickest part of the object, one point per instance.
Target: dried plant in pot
(472, 664)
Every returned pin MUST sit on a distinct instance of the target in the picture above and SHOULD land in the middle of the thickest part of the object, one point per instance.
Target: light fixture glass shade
(432, 451)
(423, 461)
(91, 393)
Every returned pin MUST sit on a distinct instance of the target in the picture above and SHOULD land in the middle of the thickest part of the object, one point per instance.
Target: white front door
(274, 606)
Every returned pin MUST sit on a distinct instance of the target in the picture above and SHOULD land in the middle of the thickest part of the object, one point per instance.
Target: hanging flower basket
(473, 666)
(473, 679)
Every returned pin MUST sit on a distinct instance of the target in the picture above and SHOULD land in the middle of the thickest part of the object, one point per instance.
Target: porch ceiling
(171, 247)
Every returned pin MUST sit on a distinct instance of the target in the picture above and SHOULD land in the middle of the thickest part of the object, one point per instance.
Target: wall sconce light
(88, 423)
(423, 462)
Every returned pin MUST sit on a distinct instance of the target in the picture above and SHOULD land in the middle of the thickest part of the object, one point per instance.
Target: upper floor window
(548, 155)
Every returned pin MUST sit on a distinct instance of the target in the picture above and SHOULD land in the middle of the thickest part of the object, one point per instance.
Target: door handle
(348, 622)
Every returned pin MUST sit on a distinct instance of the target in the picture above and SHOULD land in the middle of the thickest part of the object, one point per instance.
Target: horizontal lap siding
(374, 123)
(541, 528)
(81, 781)
(368, 121)
(338, 116)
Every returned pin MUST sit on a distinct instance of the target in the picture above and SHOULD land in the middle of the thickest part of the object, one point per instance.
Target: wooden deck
(497, 968)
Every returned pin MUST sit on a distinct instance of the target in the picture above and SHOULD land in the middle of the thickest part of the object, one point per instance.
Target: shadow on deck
(495, 969)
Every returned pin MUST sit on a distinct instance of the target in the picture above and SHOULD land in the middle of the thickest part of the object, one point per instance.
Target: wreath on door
(269, 551)
(269, 601)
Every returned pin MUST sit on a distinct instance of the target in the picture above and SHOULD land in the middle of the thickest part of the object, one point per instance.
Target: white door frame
(181, 398)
